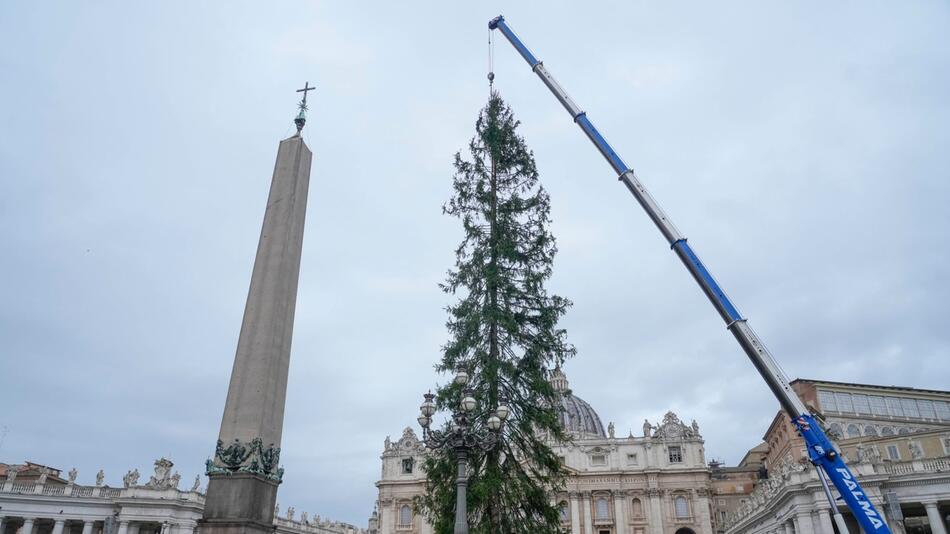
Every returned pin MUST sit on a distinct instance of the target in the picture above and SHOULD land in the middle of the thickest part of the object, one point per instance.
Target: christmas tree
(504, 333)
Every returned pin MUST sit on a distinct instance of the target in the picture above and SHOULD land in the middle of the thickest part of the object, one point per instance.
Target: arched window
(836, 430)
(870, 431)
(854, 431)
(603, 508)
(405, 516)
(903, 431)
(564, 512)
(681, 506)
(637, 508)
(887, 431)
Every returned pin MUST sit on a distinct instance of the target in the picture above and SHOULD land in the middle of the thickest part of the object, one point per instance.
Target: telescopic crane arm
(820, 450)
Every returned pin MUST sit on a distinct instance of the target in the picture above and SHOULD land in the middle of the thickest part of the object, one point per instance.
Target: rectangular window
(632, 459)
(926, 408)
(676, 455)
(598, 459)
(910, 408)
(893, 453)
(878, 406)
(827, 401)
(844, 402)
(861, 404)
(894, 407)
(407, 466)
(943, 410)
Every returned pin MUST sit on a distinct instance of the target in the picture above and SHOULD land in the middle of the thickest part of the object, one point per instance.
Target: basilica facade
(655, 483)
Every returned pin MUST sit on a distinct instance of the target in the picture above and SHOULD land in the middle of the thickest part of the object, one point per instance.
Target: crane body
(821, 452)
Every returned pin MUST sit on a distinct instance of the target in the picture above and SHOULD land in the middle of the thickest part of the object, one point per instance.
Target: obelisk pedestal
(244, 473)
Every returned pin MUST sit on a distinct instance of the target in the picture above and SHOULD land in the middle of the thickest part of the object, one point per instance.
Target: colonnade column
(620, 515)
(133, 528)
(2, 523)
(575, 513)
(58, 526)
(87, 527)
(123, 527)
(588, 517)
(933, 515)
(27, 525)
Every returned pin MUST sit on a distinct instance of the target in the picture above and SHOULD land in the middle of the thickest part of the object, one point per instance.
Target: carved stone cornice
(654, 492)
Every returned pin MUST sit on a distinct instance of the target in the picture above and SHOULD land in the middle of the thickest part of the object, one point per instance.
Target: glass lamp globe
(494, 422)
(461, 378)
(427, 408)
(468, 404)
(424, 421)
(502, 412)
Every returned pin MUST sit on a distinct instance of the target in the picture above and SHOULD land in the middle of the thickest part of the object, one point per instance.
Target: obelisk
(244, 473)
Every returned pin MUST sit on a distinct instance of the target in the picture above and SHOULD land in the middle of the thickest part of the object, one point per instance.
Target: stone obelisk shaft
(244, 473)
(255, 404)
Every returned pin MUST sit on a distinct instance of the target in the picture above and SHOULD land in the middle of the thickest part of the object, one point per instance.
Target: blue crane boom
(820, 450)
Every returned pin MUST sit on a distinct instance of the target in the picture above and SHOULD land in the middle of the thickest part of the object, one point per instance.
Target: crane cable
(491, 62)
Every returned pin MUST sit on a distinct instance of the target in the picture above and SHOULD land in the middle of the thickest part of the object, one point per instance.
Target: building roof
(875, 386)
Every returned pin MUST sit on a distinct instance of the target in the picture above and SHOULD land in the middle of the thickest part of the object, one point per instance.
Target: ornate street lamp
(462, 436)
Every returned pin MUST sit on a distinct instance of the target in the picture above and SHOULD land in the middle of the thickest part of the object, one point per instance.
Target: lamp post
(462, 436)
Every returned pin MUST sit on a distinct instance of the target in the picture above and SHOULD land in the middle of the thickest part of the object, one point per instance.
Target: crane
(820, 450)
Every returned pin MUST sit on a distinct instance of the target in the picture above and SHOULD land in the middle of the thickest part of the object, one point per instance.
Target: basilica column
(656, 511)
(27, 527)
(87, 527)
(123, 527)
(824, 520)
(575, 513)
(803, 523)
(588, 515)
(702, 501)
(58, 525)
(933, 515)
(620, 513)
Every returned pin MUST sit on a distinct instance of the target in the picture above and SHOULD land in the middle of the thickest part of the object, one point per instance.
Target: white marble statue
(131, 478)
(610, 430)
(100, 476)
(290, 513)
(197, 485)
(72, 475)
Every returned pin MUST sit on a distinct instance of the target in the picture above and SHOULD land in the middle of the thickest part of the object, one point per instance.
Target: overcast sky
(802, 147)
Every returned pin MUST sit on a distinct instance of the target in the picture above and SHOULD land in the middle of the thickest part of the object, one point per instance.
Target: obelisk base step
(239, 503)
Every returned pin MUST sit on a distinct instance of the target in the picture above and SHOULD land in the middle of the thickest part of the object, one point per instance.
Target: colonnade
(66, 525)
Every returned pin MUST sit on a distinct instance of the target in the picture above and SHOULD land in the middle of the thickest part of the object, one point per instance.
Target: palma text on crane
(862, 499)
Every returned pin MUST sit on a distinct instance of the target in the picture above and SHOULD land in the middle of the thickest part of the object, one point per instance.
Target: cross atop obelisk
(301, 119)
